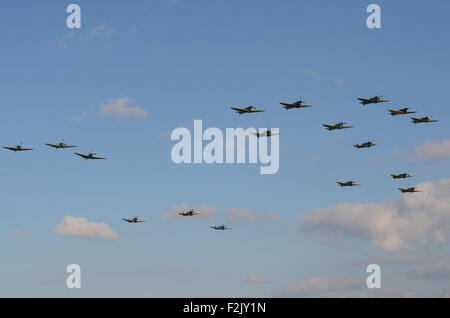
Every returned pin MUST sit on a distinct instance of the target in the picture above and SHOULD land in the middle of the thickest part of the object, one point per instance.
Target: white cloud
(20, 233)
(120, 108)
(317, 286)
(338, 82)
(79, 117)
(272, 216)
(244, 215)
(422, 218)
(310, 73)
(206, 212)
(438, 270)
(81, 227)
(254, 279)
(398, 258)
(97, 31)
(63, 42)
(433, 150)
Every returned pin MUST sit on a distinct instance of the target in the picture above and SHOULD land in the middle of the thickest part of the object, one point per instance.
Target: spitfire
(373, 100)
(60, 145)
(409, 190)
(134, 220)
(18, 148)
(297, 104)
(348, 184)
(191, 212)
(366, 145)
(401, 176)
(249, 109)
(403, 111)
(337, 126)
(90, 155)
(426, 119)
(220, 227)
(266, 133)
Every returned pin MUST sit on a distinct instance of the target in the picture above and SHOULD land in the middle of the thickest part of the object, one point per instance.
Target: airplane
(249, 109)
(403, 111)
(61, 145)
(337, 126)
(366, 145)
(90, 155)
(18, 148)
(188, 213)
(297, 104)
(423, 120)
(134, 220)
(413, 189)
(373, 100)
(220, 228)
(267, 133)
(348, 184)
(401, 176)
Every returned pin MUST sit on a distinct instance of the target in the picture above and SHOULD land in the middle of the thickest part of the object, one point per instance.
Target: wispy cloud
(98, 31)
(438, 270)
(64, 40)
(20, 233)
(73, 226)
(338, 82)
(120, 108)
(253, 278)
(311, 73)
(79, 117)
(433, 150)
(319, 286)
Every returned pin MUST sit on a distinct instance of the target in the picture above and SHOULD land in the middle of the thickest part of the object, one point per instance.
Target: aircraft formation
(339, 126)
(60, 145)
(268, 133)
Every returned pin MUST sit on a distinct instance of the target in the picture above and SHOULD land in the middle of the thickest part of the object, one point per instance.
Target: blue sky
(184, 60)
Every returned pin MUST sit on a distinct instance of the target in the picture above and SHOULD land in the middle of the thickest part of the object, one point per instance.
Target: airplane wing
(364, 100)
(26, 149)
(70, 146)
(384, 101)
(239, 110)
(256, 111)
(81, 155)
(126, 220)
(97, 158)
(10, 148)
(54, 146)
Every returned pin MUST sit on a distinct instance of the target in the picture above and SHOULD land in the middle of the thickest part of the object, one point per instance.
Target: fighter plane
(220, 228)
(413, 189)
(366, 145)
(249, 109)
(401, 176)
(61, 145)
(337, 126)
(297, 104)
(403, 111)
(18, 148)
(373, 100)
(423, 120)
(90, 155)
(267, 133)
(348, 184)
(188, 213)
(134, 220)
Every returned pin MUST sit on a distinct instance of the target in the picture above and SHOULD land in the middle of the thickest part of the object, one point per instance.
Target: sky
(135, 71)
